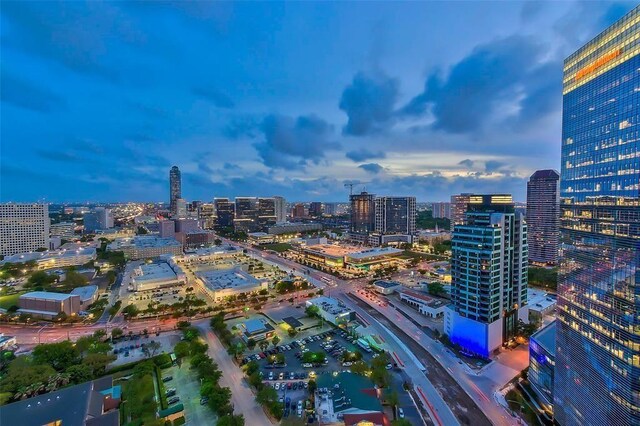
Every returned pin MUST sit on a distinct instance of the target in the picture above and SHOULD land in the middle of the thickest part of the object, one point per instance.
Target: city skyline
(366, 103)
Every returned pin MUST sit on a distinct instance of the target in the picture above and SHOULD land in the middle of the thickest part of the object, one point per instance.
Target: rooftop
(143, 241)
(386, 284)
(329, 305)
(45, 295)
(154, 271)
(332, 250)
(42, 256)
(378, 251)
(353, 391)
(539, 300)
(227, 278)
(85, 292)
(546, 337)
(428, 300)
(255, 326)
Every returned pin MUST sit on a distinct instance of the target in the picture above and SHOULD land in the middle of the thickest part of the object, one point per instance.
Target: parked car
(401, 413)
(171, 392)
(204, 400)
(173, 400)
(167, 378)
(278, 386)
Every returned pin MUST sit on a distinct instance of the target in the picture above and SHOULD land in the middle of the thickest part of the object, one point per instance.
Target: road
(242, 396)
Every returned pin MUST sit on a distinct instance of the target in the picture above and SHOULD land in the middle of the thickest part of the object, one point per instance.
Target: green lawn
(277, 247)
(8, 301)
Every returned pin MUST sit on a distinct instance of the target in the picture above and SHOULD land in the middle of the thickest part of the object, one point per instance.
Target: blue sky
(99, 100)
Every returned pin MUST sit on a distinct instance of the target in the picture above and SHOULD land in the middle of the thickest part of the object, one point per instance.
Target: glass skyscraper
(597, 378)
(543, 216)
(175, 189)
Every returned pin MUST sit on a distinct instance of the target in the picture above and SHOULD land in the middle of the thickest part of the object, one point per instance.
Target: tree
(312, 311)
(58, 355)
(116, 333)
(314, 357)
(436, 289)
(401, 422)
(236, 350)
(292, 332)
(263, 345)
(251, 344)
(359, 368)
(393, 400)
(231, 420)
(98, 363)
(79, 373)
(181, 349)
(267, 396)
(40, 279)
(130, 311)
(275, 340)
(312, 386)
(151, 348)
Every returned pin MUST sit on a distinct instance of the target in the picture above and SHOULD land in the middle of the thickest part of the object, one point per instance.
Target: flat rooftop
(41, 256)
(332, 250)
(329, 305)
(155, 271)
(144, 241)
(374, 252)
(546, 337)
(233, 278)
(432, 302)
(85, 292)
(255, 326)
(209, 251)
(539, 300)
(386, 284)
(46, 295)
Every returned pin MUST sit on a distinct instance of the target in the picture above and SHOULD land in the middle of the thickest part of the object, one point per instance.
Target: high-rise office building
(181, 208)
(362, 213)
(23, 227)
(225, 212)
(167, 229)
(331, 209)
(207, 215)
(488, 275)
(597, 376)
(298, 211)
(395, 215)
(98, 219)
(458, 207)
(266, 213)
(175, 189)
(246, 218)
(441, 210)
(281, 209)
(315, 209)
(543, 216)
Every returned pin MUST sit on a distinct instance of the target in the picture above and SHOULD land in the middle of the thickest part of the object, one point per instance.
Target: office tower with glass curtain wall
(597, 377)
(175, 189)
(543, 216)
(362, 213)
(395, 215)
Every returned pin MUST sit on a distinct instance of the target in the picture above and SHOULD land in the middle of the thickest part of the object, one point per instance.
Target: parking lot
(285, 368)
(129, 349)
(184, 387)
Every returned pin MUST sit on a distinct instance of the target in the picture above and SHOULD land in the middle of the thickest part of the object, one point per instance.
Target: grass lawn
(422, 256)
(8, 301)
(278, 247)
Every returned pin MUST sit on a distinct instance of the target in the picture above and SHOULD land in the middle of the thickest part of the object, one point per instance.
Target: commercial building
(281, 209)
(47, 305)
(194, 239)
(543, 216)
(181, 208)
(260, 238)
(423, 303)
(98, 219)
(266, 213)
(207, 215)
(340, 256)
(23, 227)
(246, 218)
(540, 304)
(441, 210)
(92, 403)
(145, 246)
(372, 258)
(294, 228)
(208, 254)
(350, 399)
(330, 209)
(598, 344)
(489, 275)
(316, 209)
(50, 259)
(363, 213)
(152, 276)
(298, 211)
(332, 310)
(542, 360)
(230, 282)
(167, 229)
(395, 215)
(175, 189)
(459, 204)
(64, 230)
(225, 212)
(88, 294)
(386, 287)
(256, 330)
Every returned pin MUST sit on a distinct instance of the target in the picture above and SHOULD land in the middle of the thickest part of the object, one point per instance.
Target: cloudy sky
(99, 100)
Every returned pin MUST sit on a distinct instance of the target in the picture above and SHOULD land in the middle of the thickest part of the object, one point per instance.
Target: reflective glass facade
(597, 378)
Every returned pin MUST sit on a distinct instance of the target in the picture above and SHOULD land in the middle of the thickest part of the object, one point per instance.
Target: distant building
(145, 246)
(186, 225)
(294, 228)
(230, 282)
(298, 211)
(181, 208)
(363, 213)
(330, 209)
(316, 209)
(207, 215)
(88, 294)
(64, 230)
(225, 212)
(260, 238)
(23, 227)
(395, 215)
(92, 403)
(542, 363)
(175, 189)
(51, 259)
(167, 229)
(152, 276)
(426, 305)
(256, 330)
(98, 219)
(246, 218)
(47, 305)
(266, 213)
(386, 287)
(459, 204)
(441, 210)
(543, 216)
(281, 209)
(332, 310)
(489, 275)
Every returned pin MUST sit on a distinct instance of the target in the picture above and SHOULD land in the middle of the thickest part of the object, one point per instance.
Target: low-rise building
(426, 305)
(332, 310)
(260, 238)
(152, 276)
(294, 228)
(88, 294)
(256, 330)
(542, 355)
(146, 246)
(230, 282)
(372, 258)
(540, 304)
(7, 342)
(49, 259)
(386, 287)
(349, 398)
(65, 230)
(47, 305)
(208, 254)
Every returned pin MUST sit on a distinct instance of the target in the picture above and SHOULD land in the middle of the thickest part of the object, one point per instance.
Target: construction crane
(352, 184)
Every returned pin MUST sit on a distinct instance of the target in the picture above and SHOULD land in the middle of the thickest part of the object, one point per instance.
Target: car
(173, 400)
(347, 364)
(307, 365)
(292, 375)
(281, 375)
(278, 386)
(270, 375)
(299, 408)
(306, 385)
(204, 400)
(167, 378)
(257, 357)
(289, 385)
(171, 393)
(388, 366)
(126, 353)
(295, 386)
(400, 413)
(287, 402)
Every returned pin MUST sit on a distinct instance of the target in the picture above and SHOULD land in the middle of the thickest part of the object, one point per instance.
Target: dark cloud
(369, 103)
(493, 165)
(293, 142)
(503, 72)
(241, 127)
(214, 96)
(467, 163)
(364, 154)
(373, 168)
(23, 94)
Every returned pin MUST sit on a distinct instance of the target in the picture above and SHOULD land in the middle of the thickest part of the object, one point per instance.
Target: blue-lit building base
(477, 338)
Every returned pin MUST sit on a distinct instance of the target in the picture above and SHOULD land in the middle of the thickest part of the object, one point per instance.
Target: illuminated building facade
(246, 218)
(489, 265)
(458, 209)
(395, 215)
(266, 213)
(23, 227)
(225, 212)
(175, 188)
(362, 213)
(543, 216)
(597, 376)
